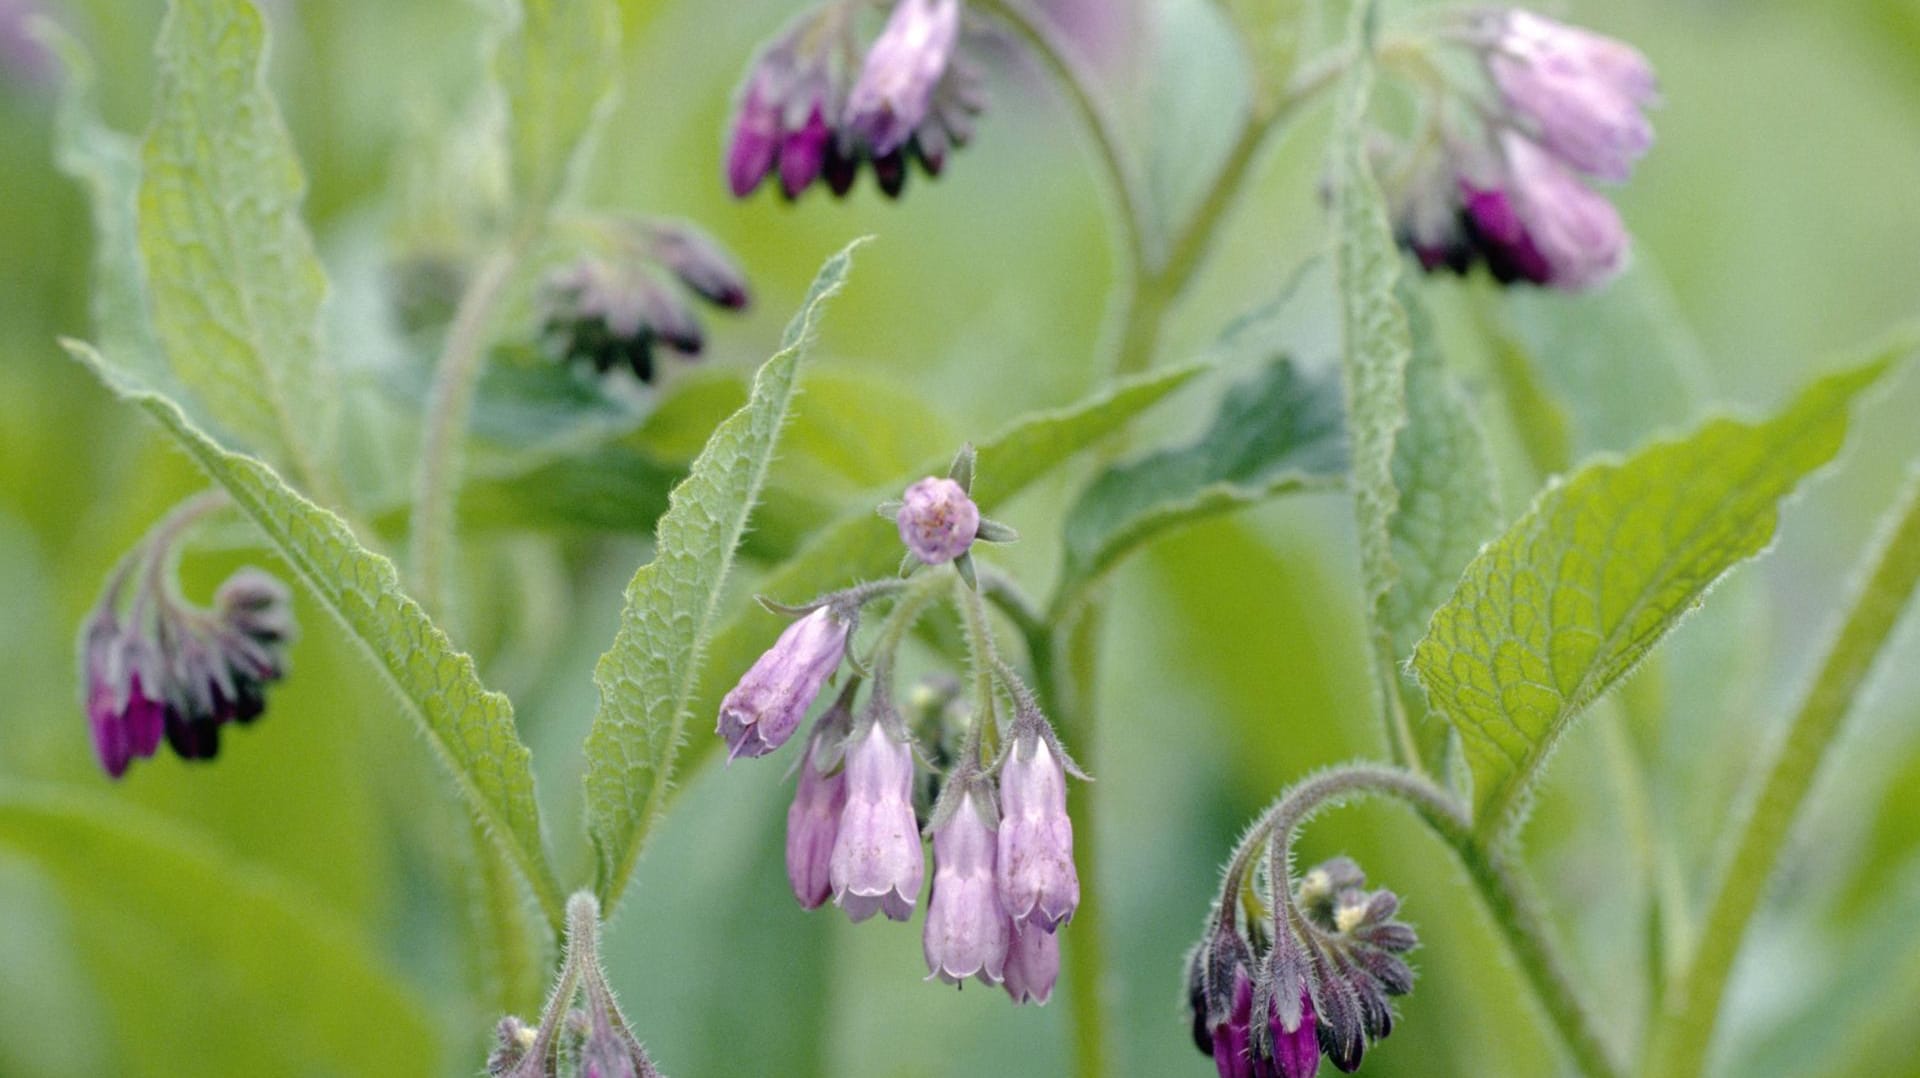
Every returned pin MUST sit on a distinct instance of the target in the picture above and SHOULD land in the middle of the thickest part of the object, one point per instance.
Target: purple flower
(1296, 1046)
(938, 521)
(1233, 1038)
(877, 863)
(1545, 226)
(763, 710)
(125, 719)
(813, 820)
(1037, 881)
(967, 929)
(895, 89)
(611, 315)
(693, 257)
(1582, 93)
(1033, 965)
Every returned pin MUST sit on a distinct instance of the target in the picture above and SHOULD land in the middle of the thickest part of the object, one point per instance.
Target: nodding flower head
(877, 864)
(813, 108)
(1038, 883)
(1511, 189)
(967, 929)
(764, 709)
(154, 666)
(813, 820)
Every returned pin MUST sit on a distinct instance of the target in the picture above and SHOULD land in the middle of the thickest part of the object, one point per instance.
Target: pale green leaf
(1376, 341)
(1278, 432)
(556, 69)
(1557, 610)
(210, 967)
(108, 163)
(234, 283)
(858, 545)
(1197, 98)
(471, 728)
(647, 679)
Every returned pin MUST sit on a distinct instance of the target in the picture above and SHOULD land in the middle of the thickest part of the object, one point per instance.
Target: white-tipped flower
(877, 864)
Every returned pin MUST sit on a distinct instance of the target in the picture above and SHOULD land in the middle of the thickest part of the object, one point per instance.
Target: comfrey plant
(1004, 881)
(511, 359)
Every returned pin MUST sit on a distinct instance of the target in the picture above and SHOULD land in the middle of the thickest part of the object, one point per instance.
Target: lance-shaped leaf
(555, 68)
(209, 967)
(647, 679)
(1279, 432)
(470, 727)
(1376, 341)
(859, 546)
(234, 283)
(1553, 613)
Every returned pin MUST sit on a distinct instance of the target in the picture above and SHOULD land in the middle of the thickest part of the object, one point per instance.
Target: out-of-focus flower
(878, 864)
(764, 709)
(1582, 93)
(125, 718)
(815, 107)
(967, 929)
(699, 263)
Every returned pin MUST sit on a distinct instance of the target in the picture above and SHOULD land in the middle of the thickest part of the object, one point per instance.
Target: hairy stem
(1681, 1041)
(437, 475)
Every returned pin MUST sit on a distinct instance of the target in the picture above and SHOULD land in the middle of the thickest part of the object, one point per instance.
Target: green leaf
(1278, 432)
(234, 282)
(857, 545)
(1376, 340)
(647, 679)
(1556, 611)
(470, 727)
(556, 70)
(108, 163)
(210, 967)
(1448, 494)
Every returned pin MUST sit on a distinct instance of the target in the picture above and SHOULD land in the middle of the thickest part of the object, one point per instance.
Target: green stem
(437, 476)
(1681, 1041)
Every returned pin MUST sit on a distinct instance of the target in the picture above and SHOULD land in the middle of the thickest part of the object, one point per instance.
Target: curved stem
(437, 476)
(973, 617)
(1680, 1043)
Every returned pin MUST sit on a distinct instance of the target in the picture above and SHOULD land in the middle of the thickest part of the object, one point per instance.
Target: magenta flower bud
(1574, 231)
(764, 709)
(1296, 1046)
(967, 929)
(126, 719)
(1233, 1038)
(1582, 92)
(938, 521)
(756, 126)
(1033, 965)
(1038, 884)
(905, 64)
(803, 151)
(877, 863)
(813, 822)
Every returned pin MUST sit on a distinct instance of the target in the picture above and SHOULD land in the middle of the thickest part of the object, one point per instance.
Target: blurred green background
(142, 923)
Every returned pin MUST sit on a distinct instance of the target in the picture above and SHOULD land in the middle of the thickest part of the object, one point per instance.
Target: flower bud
(1038, 884)
(937, 520)
(813, 821)
(967, 929)
(764, 709)
(700, 264)
(1232, 1038)
(512, 1039)
(895, 89)
(877, 863)
(125, 717)
(1582, 93)
(1033, 965)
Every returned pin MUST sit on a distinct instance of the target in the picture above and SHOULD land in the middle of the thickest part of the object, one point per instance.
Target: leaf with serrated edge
(859, 546)
(555, 69)
(1556, 611)
(648, 677)
(471, 728)
(1278, 432)
(152, 904)
(234, 283)
(1374, 332)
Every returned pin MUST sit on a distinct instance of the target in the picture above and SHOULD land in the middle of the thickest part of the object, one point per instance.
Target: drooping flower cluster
(813, 107)
(592, 1041)
(1004, 882)
(614, 311)
(1269, 1001)
(154, 666)
(1507, 182)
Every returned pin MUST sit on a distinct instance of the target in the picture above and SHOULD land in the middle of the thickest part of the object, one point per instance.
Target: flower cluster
(1507, 185)
(1004, 882)
(814, 108)
(1270, 1001)
(154, 666)
(612, 312)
